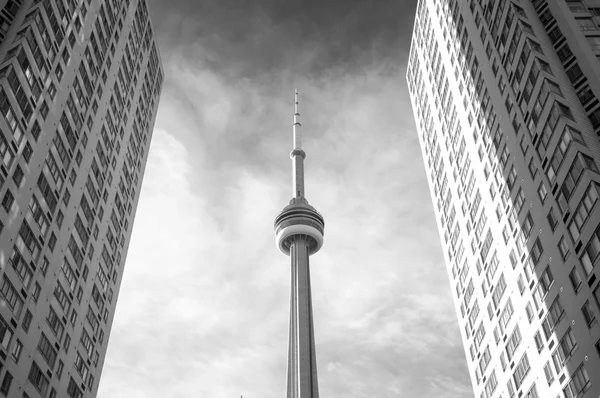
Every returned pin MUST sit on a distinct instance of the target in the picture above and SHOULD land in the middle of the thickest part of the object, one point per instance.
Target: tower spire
(297, 155)
(297, 125)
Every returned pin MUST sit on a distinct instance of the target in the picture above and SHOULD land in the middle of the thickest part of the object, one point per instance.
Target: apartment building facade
(80, 82)
(505, 97)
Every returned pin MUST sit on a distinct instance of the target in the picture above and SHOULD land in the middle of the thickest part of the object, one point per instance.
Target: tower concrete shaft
(302, 359)
(299, 230)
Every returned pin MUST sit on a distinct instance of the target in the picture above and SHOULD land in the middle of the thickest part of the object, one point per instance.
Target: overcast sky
(204, 303)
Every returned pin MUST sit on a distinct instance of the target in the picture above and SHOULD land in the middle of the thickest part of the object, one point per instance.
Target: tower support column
(302, 367)
(299, 230)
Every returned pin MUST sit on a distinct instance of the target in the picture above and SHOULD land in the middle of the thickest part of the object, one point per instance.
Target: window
(44, 109)
(513, 342)
(511, 389)
(36, 130)
(47, 350)
(542, 192)
(486, 357)
(511, 178)
(491, 384)
(66, 197)
(519, 200)
(37, 289)
(8, 201)
(521, 284)
(532, 168)
(52, 242)
(569, 135)
(588, 313)
(55, 324)
(81, 367)
(59, 369)
(27, 152)
(583, 211)
(589, 255)
(585, 95)
(580, 163)
(45, 265)
(532, 392)
(69, 274)
(539, 343)
(6, 153)
(536, 251)
(527, 225)
(60, 218)
(92, 319)
(563, 247)
(545, 282)
(11, 296)
(586, 23)
(529, 311)
(66, 57)
(86, 342)
(52, 91)
(548, 372)
(18, 176)
(61, 297)
(6, 382)
(499, 291)
(75, 252)
(578, 384)
(595, 118)
(554, 316)
(38, 379)
(67, 342)
(521, 370)
(16, 351)
(552, 220)
(575, 280)
(513, 258)
(26, 321)
(565, 349)
(73, 390)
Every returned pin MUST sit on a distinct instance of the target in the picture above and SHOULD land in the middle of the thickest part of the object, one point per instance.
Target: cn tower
(299, 232)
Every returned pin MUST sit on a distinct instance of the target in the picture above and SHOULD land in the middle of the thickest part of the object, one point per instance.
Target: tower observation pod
(299, 230)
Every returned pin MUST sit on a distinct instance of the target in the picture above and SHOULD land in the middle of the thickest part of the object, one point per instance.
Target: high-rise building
(505, 96)
(299, 230)
(79, 88)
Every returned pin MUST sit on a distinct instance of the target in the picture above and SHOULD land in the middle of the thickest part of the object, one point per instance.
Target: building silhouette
(505, 96)
(299, 230)
(79, 88)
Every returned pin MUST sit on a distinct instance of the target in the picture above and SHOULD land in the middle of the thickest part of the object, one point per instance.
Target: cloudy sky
(203, 308)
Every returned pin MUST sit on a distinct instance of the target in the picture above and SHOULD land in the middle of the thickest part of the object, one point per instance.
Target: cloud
(204, 302)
